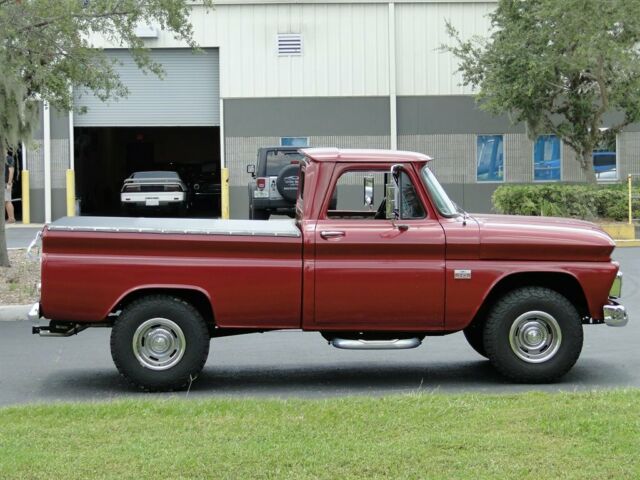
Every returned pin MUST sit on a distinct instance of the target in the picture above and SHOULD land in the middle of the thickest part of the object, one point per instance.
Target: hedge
(588, 202)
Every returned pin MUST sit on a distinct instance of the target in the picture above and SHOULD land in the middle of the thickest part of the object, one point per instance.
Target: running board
(359, 344)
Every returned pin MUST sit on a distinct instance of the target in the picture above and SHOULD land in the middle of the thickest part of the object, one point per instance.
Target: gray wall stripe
(265, 117)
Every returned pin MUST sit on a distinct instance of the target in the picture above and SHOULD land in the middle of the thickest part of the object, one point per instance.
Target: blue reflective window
(546, 158)
(294, 141)
(605, 166)
(490, 156)
(604, 157)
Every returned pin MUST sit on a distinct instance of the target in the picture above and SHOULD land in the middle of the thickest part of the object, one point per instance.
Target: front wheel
(160, 343)
(533, 335)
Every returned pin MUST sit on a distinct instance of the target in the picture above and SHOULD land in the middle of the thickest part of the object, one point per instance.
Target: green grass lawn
(535, 435)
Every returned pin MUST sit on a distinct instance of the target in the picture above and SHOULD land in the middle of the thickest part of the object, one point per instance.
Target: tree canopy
(562, 68)
(45, 49)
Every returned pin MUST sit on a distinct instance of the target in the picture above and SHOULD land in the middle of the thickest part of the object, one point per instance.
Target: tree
(45, 49)
(559, 67)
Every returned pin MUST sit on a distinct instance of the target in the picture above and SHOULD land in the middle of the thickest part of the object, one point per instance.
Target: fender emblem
(462, 274)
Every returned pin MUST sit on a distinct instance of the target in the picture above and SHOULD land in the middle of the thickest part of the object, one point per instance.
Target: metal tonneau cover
(193, 226)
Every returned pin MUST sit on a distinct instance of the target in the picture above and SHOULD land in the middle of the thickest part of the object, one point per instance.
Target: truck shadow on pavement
(323, 381)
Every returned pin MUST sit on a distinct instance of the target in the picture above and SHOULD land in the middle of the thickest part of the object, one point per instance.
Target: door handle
(327, 234)
(403, 227)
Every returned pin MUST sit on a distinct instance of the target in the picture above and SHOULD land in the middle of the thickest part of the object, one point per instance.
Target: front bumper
(615, 315)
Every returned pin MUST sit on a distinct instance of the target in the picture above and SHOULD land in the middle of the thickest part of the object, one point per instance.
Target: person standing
(9, 169)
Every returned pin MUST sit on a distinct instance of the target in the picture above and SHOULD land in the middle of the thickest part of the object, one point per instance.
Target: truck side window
(411, 207)
(347, 196)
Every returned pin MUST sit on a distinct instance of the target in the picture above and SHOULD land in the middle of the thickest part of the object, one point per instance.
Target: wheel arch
(193, 295)
(562, 282)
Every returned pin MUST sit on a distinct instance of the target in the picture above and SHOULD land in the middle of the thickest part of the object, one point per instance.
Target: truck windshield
(443, 203)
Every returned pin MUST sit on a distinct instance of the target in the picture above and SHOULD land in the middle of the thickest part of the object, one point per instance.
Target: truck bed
(249, 271)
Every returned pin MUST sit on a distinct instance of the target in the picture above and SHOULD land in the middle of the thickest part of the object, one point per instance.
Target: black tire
(170, 310)
(128, 210)
(287, 182)
(258, 214)
(474, 334)
(543, 313)
(182, 210)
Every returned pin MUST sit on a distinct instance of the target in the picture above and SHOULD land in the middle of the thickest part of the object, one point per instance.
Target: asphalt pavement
(298, 364)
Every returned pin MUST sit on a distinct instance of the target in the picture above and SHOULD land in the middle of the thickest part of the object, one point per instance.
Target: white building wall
(344, 51)
(345, 46)
(422, 67)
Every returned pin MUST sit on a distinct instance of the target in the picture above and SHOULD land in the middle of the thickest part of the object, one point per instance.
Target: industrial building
(366, 74)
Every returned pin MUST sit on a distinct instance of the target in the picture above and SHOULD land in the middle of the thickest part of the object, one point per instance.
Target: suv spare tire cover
(287, 182)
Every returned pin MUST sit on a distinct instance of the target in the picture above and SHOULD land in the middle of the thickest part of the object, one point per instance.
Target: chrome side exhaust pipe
(65, 329)
(360, 344)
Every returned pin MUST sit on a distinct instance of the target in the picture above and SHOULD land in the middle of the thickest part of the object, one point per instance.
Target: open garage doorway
(106, 156)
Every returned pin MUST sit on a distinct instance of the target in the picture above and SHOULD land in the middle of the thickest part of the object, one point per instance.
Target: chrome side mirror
(393, 194)
(391, 212)
(251, 169)
(368, 191)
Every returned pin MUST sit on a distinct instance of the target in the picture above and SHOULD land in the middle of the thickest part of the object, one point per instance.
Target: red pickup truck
(383, 276)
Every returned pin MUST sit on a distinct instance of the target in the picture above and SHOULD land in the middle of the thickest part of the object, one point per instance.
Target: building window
(294, 141)
(490, 157)
(289, 44)
(546, 159)
(605, 158)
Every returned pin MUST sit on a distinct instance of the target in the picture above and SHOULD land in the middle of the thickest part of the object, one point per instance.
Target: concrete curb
(13, 313)
(11, 226)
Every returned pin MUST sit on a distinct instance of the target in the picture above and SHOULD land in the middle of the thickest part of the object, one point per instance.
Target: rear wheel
(533, 335)
(160, 343)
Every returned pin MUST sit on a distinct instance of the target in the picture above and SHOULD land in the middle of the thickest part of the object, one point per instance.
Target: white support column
(47, 162)
(72, 160)
(23, 149)
(393, 120)
(224, 171)
(70, 174)
(222, 160)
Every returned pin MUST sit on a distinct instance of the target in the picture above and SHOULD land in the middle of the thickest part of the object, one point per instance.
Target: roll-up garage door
(187, 95)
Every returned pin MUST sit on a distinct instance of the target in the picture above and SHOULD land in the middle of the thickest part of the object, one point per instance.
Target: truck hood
(542, 238)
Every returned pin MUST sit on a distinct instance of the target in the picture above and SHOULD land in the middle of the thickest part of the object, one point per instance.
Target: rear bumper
(152, 198)
(615, 315)
(34, 313)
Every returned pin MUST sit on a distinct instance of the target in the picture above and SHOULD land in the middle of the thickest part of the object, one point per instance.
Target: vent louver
(289, 44)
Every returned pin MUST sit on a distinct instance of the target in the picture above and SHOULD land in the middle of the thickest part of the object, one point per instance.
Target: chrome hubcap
(535, 337)
(159, 344)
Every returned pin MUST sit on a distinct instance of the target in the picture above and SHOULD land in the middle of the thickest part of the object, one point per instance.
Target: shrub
(564, 200)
